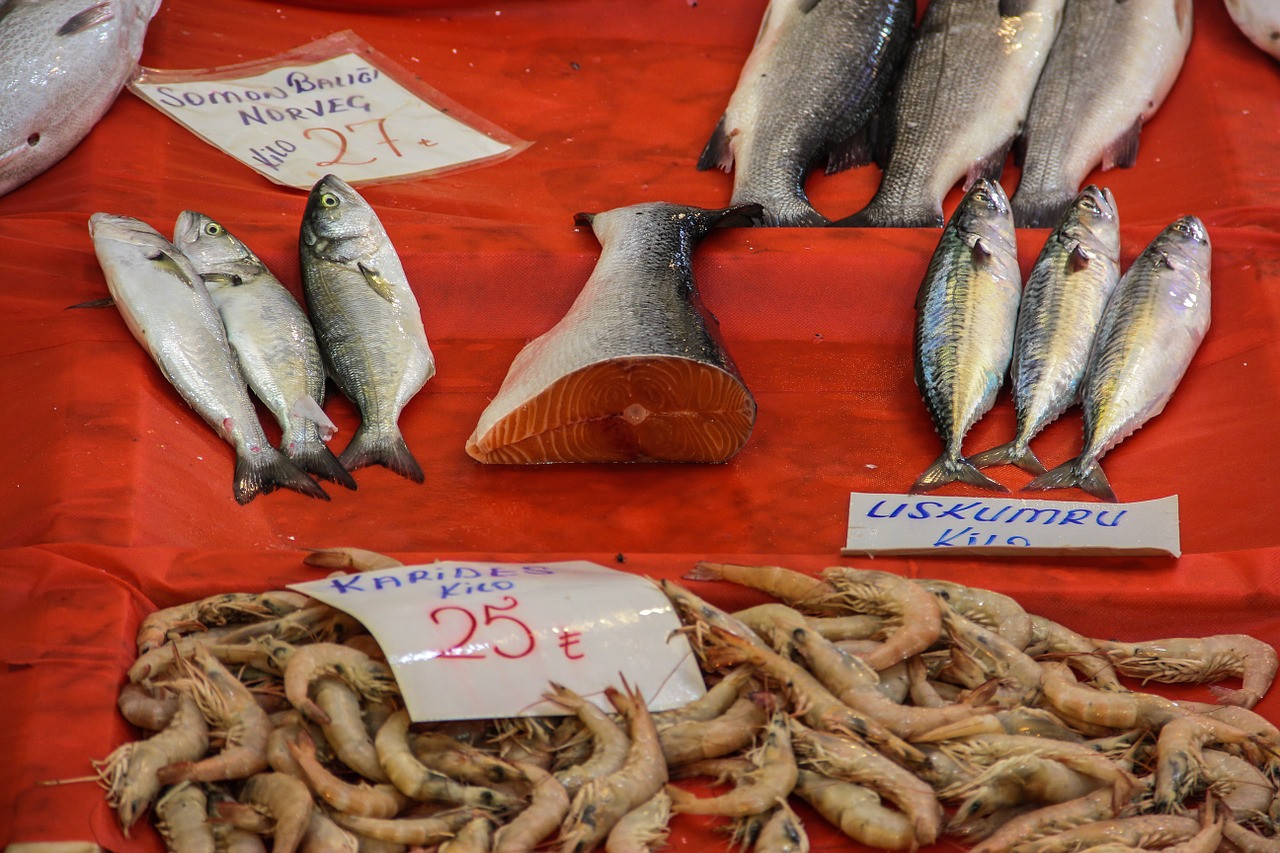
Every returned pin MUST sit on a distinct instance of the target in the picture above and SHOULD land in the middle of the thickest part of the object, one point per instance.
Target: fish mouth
(184, 230)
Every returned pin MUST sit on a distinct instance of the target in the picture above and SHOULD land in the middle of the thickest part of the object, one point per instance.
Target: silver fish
(1152, 327)
(62, 64)
(1059, 314)
(1259, 20)
(960, 103)
(366, 320)
(635, 371)
(166, 307)
(965, 316)
(818, 72)
(1110, 70)
(271, 338)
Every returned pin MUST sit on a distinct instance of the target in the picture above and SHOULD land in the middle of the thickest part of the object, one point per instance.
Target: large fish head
(208, 244)
(335, 212)
(1185, 244)
(985, 212)
(1094, 212)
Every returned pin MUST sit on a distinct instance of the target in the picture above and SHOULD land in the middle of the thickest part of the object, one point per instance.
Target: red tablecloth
(117, 499)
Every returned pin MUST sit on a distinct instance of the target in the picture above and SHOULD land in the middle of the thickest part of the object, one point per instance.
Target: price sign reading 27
(467, 625)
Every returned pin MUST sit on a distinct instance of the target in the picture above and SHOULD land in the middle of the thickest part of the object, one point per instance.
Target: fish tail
(317, 459)
(381, 448)
(793, 213)
(1069, 475)
(1009, 454)
(949, 469)
(879, 214)
(264, 472)
(1042, 210)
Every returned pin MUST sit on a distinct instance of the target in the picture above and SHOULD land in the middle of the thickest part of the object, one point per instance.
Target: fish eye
(328, 200)
(1090, 205)
(213, 229)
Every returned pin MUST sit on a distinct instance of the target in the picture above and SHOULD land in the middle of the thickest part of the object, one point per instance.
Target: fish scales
(966, 311)
(636, 369)
(1150, 331)
(960, 102)
(1058, 317)
(1110, 70)
(816, 75)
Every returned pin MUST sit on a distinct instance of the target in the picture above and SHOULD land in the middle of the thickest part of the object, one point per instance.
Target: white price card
(926, 524)
(481, 640)
(335, 106)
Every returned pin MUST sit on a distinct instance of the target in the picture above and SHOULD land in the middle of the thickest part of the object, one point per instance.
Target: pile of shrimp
(903, 712)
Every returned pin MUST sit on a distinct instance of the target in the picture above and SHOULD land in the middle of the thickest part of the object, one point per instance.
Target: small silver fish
(1059, 314)
(271, 338)
(165, 305)
(965, 316)
(817, 74)
(1152, 327)
(366, 320)
(62, 64)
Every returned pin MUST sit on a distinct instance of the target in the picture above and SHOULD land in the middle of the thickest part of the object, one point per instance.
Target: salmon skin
(817, 74)
(965, 316)
(1152, 327)
(366, 320)
(959, 105)
(167, 308)
(1058, 318)
(636, 370)
(1109, 71)
(271, 338)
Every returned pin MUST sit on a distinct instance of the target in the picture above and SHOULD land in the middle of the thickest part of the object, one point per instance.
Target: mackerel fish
(965, 316)
(1151, 329)
(1061, 307)
(271, 338)
(167, 308)
(817, 74)
(366, 320)
(635, 371)
(1110, 70)
(959, 104)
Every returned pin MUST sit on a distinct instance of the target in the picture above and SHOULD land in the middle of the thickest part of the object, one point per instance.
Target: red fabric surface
(117, 499)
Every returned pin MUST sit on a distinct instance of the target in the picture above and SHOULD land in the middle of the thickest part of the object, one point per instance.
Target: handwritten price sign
(480, 640)
(334, 106)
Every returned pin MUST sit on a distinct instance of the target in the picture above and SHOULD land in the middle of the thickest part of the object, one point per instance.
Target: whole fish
(1057, 319)
(1259, 20)
(818, 72)
(1153, 325)
(965, 316)
(959, 104)
(271, 338)
(366, 320)
(165, 305)
(1110, 69)
(62, 64)
(635, 371)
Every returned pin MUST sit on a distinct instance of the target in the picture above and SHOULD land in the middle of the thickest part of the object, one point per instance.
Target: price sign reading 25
(468, 630)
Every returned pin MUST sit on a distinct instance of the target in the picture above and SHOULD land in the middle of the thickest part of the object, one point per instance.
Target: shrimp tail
(1009, 454)
(948, 469)
(1069, 475)
(705, 571)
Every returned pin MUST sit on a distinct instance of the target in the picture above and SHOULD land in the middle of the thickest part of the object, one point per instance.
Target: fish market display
(1110, 70)
(818, 72)
(635, 371)
(366, 320)
(271, 338)
(165, 305)
(1153, 325)
(1058, 316)
(62, 64)
(966, 312)
(960, 103)
(1259, 20)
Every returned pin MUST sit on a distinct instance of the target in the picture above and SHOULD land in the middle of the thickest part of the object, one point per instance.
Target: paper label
(335, 106)
(481, 640)
(918, 524)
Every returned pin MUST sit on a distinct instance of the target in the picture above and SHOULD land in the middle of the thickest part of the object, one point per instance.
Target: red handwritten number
(342, 149)
(455, 651)
(382, 129)
(489, 619)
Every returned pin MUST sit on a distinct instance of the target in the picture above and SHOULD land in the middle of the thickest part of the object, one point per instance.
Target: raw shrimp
(149, 709)
(1016, 780)
(1237, 784)
(1200, 660)
(157, 662)
(796, 589)
(859, 626)
(345, 728)
(1140, 831)
(1054, 641)
(643, 829)
(988, 608)
(422, 783)
(463, 762)
(425, 831)
(914, 608)
(287, 801)
(1096, 707)
(770, 621)
(1180, 759)
(782, 832)
(856, 811)
(161, 625)
(610, 742)
(1019, 676)
(361, 799)
(308, 663)
(730, 732)
(547, 807)
(1248, 841)
(711, 704)
(182, 818)
(325, 836)
(771, 778)
(356, 559)
(475, 836)
(700, 616)
(1049, 820)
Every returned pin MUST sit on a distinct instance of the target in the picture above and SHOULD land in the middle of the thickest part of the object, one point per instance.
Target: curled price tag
(483, 640)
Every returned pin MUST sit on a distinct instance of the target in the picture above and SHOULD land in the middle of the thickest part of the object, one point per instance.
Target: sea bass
(1152, 327)
(1259, 20)
(62, 64)
(959, 104)
(165, 305)
(1057, 319)
(271, 338)
(965, 316)
(636, 370)
(1109, 72)
(818, 72)
(366, 320)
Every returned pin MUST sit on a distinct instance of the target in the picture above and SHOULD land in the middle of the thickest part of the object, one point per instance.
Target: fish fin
(948, 470)
(989, 167)
(166, 262)
(1043, 211)
(794, 213)
(388, 450)
(380, 285)
(1008, 454)
(1123, 150)
(92, 17)
(979, 248)
(306, 407)
(267, 471)
(1068, 475)
(106, 302)
(584, 220)
(878, 215)
(739, 216)
(807, 6)
(719, 153)
(222, 278)
(857, 150)
(318, 460)
(1078, 257)
(1015, 8)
